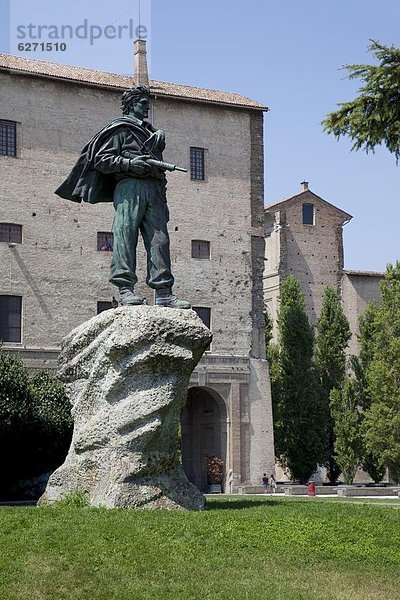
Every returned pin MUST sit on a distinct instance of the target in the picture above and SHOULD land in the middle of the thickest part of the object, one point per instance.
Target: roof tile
(117, 81)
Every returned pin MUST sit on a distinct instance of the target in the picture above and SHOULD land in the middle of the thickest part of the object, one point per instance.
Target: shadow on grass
(233, 504)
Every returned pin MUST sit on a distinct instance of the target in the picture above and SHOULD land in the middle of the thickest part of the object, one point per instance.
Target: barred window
(10, 318)
(197, 166)
(204, 314)
(200, 249)
(8, 138)
(308, 214)
(11, 233)
(105, 241)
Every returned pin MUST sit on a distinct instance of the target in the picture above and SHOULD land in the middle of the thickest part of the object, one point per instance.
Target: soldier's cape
(87, 184)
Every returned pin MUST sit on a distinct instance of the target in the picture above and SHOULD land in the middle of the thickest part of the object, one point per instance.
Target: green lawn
(253, 548)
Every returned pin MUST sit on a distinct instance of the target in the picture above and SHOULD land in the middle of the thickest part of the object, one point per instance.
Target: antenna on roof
(140, 20)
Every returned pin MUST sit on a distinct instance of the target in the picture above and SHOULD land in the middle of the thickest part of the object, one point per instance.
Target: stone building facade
(56, 275)
(304, 238)
(358, 289)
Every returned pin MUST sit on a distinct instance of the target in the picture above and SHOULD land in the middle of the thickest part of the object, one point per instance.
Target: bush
(35, 422)
(51, 414)
(14, 394)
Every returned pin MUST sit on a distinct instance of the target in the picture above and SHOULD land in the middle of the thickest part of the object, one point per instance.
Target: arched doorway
(204, 432)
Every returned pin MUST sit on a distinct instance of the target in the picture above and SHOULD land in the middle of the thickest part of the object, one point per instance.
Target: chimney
(141, 75)
(304, 186)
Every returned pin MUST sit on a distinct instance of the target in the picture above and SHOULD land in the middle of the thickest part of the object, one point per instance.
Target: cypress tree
(347, 417)
(333, 335)
(382, 418)
(299, 414)
(370, 462)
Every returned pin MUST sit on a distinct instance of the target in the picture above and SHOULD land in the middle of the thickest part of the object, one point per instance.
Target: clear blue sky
(284, 54)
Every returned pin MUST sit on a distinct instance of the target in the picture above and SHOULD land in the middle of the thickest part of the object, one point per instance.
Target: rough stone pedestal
(127, 371)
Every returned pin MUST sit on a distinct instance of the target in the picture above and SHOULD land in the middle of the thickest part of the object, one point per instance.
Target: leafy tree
(51, 413)
(382, 419)
(275, 379)
(299, 415)
(272, 353)
(347, 417)
(14, 410)
(35, 421)
(370, 462)
(373, 117)
(333, 335)
(14, 393)
(268, 328)
(368, 326)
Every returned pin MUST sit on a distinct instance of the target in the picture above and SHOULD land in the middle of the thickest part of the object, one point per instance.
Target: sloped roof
(121, 82)
(364, 273)
(346, 215)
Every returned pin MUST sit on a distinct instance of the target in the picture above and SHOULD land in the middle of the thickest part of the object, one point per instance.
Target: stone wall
(58, 269)
(358, 290)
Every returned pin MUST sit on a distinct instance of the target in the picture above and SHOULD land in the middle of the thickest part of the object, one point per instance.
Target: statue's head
(136, 102)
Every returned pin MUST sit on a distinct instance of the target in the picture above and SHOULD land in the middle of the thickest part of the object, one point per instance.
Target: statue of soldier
(123, 164)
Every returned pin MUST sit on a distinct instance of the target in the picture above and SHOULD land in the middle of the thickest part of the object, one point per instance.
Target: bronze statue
(123, 164)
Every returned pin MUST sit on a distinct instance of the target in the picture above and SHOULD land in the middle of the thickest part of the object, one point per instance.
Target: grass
(240, 548)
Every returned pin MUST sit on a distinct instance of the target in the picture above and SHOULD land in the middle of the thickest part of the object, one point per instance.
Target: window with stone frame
(197, 164)
(204, 313)
(10, 318)
(200, 249)
(105, 241)
(308, 214)
(11, 233)
(8, 138)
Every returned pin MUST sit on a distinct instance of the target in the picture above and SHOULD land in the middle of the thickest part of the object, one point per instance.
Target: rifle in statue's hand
(164, 165)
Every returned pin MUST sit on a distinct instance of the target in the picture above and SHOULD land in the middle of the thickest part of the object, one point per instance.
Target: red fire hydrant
(311, 488)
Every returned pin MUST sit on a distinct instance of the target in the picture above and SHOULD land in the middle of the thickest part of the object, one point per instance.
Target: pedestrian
(272, 484)
(265, 483)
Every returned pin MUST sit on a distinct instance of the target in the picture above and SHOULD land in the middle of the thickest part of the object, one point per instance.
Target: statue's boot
(165, 297)
(126, 296)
